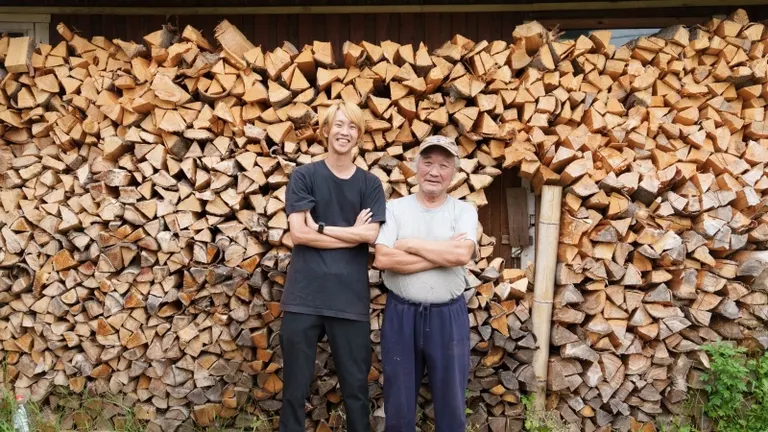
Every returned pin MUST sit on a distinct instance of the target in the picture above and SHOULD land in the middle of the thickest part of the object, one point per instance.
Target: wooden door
(507, 217)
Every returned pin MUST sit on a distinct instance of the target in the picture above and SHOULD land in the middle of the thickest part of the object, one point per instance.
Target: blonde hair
(351, 111)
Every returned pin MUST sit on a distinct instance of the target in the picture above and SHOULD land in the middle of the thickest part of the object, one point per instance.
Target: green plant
(52, 419)
(6, 413)
(8, 408)
(675, 428)
(467, 410)
(685, 420)
(87, 407)
(737, 389)
(678, 423)
(541, 421)
(259, 423)
(471, 427)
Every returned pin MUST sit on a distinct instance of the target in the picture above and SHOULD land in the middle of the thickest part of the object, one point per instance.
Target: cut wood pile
(144, 242)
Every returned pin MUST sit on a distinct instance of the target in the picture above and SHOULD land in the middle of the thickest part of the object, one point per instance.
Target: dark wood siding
(271, 30)
(433, 29)
(688, 4)
(494, 217)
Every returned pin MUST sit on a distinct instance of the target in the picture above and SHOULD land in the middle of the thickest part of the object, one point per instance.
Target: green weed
(260, 423)
(541, 421)
(8, 408)
(66, 411)
(736, 389)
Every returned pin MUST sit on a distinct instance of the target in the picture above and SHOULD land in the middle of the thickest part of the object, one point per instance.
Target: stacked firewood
(144, 241)
(144, 237)
(665, 178)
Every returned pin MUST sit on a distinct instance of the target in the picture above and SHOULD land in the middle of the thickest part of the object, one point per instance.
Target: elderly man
(422, 248)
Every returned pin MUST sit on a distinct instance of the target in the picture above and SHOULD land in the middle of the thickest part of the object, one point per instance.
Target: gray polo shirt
(407, 218)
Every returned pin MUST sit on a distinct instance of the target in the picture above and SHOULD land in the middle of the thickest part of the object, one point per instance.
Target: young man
(422, 248)
(334, 209)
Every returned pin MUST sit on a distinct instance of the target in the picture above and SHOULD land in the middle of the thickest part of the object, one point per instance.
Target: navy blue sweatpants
(417, 335)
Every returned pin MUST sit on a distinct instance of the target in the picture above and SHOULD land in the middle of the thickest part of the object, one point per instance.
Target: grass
(258, 423)
(688, 418)
(8, 408)
(733, 396)
(728, 393)
(82, 411)
(542, 421)
(79, 411)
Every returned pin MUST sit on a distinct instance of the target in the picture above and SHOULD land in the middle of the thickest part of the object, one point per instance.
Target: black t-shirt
(331, 282)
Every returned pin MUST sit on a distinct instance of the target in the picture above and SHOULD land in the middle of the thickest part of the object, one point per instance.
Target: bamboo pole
(544, 287)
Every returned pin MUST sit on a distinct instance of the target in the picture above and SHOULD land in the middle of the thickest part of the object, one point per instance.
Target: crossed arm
(415, 255)
(304, 232)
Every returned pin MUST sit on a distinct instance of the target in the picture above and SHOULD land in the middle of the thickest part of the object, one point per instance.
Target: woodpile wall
(144, 242)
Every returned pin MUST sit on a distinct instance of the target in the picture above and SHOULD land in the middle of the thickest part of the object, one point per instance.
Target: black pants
(351, 349)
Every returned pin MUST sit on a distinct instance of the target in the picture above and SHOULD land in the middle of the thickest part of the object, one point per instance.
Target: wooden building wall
(506, 217)
(271, 30)
(431, 28)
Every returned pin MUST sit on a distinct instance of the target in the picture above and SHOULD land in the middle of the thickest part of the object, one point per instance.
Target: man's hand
(407, 245)
(363, 231)
(398, 261)
(364, 217)
(402, 244)
(303, 234)
(456, 251)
